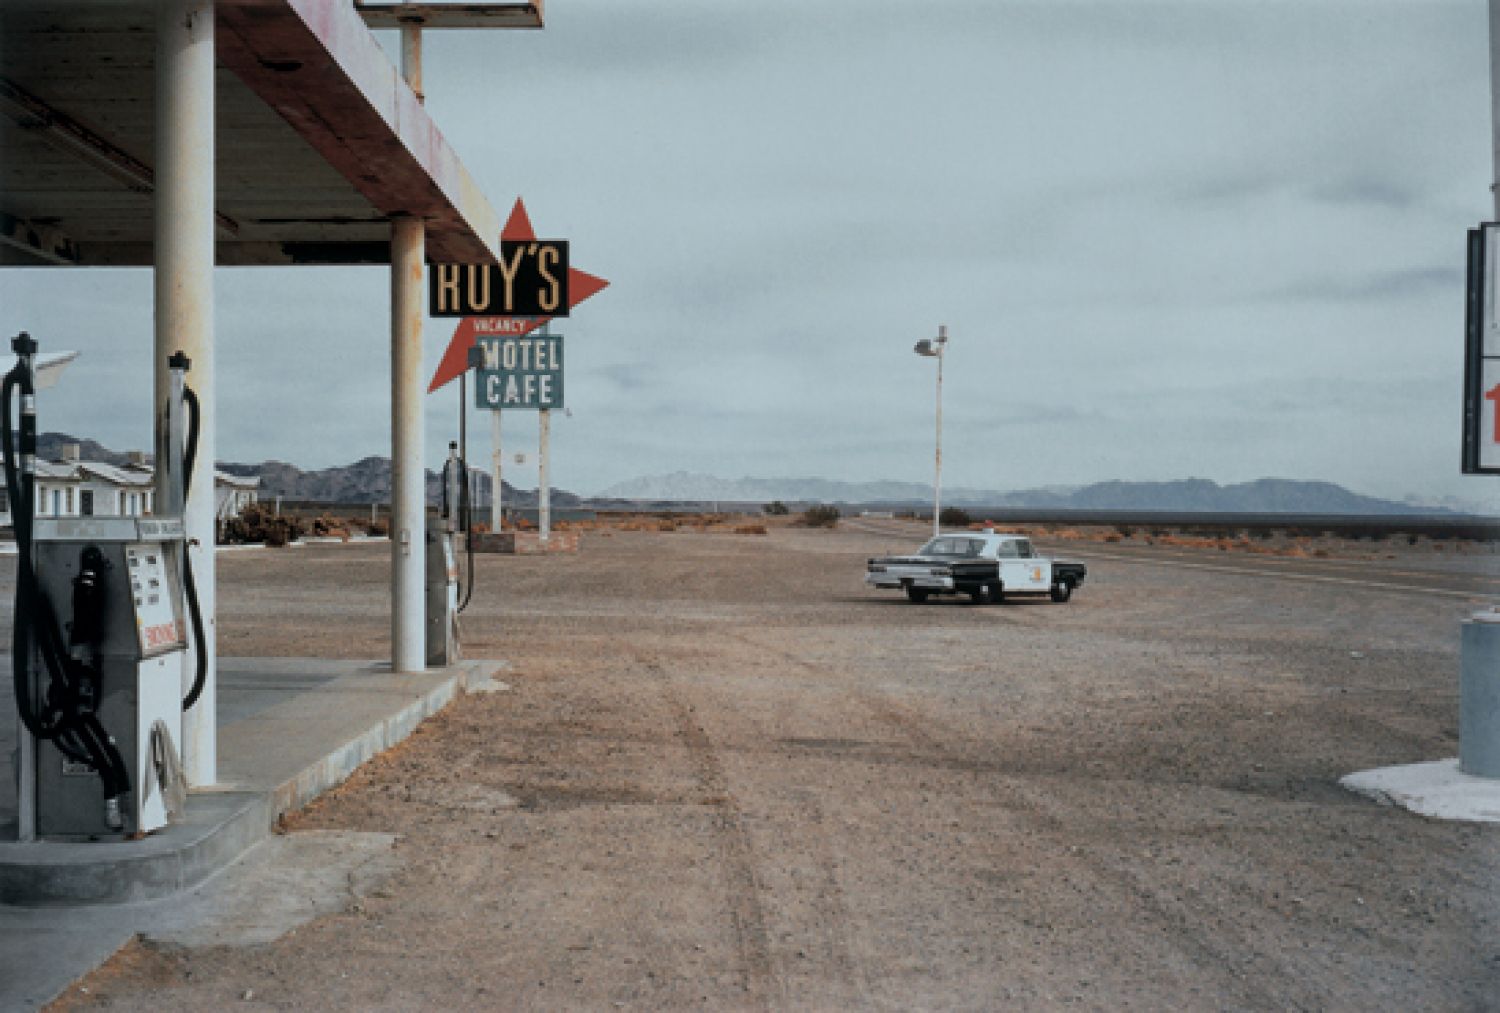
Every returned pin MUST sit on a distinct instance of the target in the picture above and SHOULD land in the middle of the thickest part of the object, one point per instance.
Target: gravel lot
(729, 777)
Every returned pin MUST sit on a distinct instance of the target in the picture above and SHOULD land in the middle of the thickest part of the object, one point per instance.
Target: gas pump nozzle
(172, 483)
(452, 484)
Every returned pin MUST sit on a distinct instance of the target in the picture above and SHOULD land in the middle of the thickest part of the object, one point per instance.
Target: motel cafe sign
(519, 372)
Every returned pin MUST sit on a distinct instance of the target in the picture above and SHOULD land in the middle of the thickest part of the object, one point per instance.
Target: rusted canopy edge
(317, 64)
(393, 14)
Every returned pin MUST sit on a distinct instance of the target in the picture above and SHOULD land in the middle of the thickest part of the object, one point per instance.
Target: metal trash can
(1479, 696)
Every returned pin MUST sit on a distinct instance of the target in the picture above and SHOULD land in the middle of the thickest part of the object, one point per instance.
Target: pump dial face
(154, 593)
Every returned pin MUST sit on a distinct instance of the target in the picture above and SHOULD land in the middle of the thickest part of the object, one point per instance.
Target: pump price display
(154, 593)
(520, 372)
(160, 635)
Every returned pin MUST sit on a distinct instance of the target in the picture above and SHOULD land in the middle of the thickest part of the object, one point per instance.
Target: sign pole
(544, 486)
(497, 490)
(543, 475)
(1494, 6)
(937, 467)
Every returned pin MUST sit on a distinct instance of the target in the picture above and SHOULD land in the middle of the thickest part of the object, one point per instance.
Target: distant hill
(364, 481)
(49, 447)
(683, 485)
(1195, 495)
(369, 481)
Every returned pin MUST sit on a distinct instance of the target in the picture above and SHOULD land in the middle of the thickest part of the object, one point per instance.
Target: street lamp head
(924, 347)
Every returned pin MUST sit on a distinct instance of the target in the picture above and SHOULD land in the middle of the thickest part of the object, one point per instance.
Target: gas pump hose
(66, 716)
(466, 524)
(190, 587)
(465, 519)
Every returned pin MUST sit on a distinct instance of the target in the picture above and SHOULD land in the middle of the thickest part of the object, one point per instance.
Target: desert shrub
(750, 529)
(327, 526)
(259, 523)
(776, 508)
(378, 528)
(1125, 530)
(954, 517)
(821, 516)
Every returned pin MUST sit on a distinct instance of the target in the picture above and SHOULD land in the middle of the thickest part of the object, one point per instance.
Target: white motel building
(72, 487)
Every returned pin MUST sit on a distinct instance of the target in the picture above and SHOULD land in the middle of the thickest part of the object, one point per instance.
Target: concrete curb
(222, 824)
(218, 829)
(335, 767)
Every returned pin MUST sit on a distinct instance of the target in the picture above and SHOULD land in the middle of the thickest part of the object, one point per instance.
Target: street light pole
(933, 348)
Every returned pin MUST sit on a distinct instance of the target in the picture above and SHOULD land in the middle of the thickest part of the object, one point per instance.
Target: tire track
(742, 887)
(761, 980)
(1050, 818)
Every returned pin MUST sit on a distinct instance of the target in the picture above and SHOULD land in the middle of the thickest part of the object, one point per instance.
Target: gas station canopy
(318, 142)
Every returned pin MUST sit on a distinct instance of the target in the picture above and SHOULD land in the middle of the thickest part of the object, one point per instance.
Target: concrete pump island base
(289, 729)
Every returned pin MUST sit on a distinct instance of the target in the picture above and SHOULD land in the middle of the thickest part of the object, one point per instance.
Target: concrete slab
(1437, 789)
(278, 885)
(290, 729)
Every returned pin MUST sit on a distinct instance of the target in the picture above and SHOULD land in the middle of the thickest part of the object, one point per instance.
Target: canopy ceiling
(318, 141)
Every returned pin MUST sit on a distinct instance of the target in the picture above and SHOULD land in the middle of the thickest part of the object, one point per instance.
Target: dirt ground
(728, 777)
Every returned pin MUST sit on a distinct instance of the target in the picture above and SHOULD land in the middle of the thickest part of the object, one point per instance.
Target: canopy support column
(184, 273)
(408, 485)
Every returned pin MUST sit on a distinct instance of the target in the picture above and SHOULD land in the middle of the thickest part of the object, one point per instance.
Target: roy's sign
(531, 280)
(519, 372)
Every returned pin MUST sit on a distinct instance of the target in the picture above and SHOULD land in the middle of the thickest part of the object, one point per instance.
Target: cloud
(1201, 237)
(1394, 286)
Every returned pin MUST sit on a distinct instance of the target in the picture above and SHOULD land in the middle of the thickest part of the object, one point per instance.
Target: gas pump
(100, 640)
(443, 531)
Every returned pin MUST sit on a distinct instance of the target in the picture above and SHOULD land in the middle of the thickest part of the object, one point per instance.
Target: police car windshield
(948, 546)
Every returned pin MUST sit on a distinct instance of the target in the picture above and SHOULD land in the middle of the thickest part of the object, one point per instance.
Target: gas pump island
(100, 643)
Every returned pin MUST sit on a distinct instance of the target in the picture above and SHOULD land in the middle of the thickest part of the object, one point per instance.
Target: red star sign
(455, 360)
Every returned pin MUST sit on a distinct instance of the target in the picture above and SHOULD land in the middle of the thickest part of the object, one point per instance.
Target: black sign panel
(531, 280)
(1481, 443)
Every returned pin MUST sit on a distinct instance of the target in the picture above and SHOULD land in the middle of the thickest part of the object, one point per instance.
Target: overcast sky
(1197, 239)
